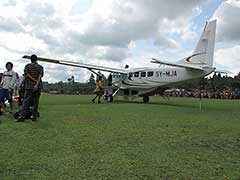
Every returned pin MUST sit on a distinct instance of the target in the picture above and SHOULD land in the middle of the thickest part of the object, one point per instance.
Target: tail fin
(204, 51)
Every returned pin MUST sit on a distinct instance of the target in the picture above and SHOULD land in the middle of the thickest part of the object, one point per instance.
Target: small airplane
(147, 81)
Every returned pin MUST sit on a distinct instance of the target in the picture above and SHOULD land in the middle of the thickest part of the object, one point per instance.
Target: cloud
(108, 53)
(228, 59)
(10, 3)
(168, 43)
(228, 22)
(10, 24)
(21, 43)
(117, 23)
(228, 36)
(40, 15)
(105, 34)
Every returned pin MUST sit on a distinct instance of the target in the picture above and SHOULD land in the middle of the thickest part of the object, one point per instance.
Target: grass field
(75, 139)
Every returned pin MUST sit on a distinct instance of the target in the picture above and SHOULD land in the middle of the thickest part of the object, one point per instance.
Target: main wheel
(146, 99)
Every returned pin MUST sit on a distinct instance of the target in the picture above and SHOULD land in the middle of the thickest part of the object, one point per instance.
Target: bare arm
(38, 80)
(31, 78)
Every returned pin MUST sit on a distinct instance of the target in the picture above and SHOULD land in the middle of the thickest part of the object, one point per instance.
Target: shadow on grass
(166, 103)
(163, 102)
(41, 123)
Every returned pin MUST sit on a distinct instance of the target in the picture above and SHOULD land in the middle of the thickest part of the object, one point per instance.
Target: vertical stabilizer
(204, 51)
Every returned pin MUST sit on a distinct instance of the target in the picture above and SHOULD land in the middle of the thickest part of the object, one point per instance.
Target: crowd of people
(218, 94)
(26, 89)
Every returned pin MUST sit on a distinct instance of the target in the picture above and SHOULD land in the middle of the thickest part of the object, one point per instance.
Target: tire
(110, 98)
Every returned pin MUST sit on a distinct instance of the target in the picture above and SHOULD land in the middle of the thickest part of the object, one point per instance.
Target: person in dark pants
(7, 85)
(98, 90)
(33, 73)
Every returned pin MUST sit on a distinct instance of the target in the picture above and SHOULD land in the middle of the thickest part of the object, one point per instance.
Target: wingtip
(154, 61)
(26, 57)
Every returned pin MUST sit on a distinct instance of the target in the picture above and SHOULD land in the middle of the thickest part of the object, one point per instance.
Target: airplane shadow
(166, 103)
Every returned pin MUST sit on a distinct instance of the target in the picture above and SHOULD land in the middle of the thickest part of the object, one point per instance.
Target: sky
(114, 33)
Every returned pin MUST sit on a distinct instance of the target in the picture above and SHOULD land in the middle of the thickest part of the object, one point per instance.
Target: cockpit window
(136, 74)
(143, 74)
(115, 75)
(150, 74)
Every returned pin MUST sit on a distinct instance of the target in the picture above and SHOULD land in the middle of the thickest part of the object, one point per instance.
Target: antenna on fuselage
(126, 66)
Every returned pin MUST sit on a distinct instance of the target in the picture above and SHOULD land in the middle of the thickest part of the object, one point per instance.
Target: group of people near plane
(28, 87)
(213, 94)
(28, 90)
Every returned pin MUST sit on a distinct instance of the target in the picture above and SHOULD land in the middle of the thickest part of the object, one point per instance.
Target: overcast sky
(114, 32)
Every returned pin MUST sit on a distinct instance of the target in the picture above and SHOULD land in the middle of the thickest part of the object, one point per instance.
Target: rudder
(204, 51)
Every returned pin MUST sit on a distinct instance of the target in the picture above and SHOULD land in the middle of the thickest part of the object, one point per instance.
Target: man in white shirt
(7, 86)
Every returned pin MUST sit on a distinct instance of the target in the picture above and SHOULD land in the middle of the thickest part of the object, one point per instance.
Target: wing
(80, 65)
(178, 65)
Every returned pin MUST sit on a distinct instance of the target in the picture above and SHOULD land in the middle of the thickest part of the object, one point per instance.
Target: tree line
(217, 82)
(70, 87)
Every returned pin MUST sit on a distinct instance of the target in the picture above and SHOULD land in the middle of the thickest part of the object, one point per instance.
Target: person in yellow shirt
(98, 90)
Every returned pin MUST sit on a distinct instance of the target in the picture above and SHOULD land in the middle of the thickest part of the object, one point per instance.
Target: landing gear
(110, 98)
(146, 99)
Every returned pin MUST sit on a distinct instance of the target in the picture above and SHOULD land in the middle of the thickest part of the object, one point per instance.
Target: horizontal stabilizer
(81, 65)
(177, 65)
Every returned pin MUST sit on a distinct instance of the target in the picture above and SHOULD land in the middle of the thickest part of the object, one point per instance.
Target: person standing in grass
(7, 86)
(98, 89)
(33, 74)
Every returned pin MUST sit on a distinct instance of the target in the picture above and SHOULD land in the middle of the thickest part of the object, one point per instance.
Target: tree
(71, 79)
(91, 79)
(238, 76)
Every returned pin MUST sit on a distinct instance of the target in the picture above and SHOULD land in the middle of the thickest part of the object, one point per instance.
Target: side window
(123, 75)
(143, 74)
(136, 74)
(150, 74)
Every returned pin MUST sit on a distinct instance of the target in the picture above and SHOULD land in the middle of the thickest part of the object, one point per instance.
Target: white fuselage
(145, 80)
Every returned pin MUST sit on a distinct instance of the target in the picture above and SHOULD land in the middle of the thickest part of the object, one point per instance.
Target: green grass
(75, 139)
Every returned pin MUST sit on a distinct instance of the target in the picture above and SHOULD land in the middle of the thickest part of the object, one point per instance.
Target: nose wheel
(146, 99)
